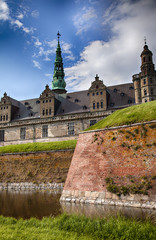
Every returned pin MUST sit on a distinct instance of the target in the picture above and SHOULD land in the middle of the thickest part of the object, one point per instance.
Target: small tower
(145, 81)
(58, 83)
(147, 76)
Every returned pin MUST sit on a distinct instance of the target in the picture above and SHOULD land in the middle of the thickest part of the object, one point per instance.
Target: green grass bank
(134, 114)
(39, 147)
(76, 227)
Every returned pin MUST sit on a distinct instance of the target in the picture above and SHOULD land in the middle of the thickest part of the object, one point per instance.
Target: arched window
(43, 112)
(97, 104)
(145, 100)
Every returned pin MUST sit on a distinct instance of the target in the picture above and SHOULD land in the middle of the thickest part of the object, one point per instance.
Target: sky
(104, 37)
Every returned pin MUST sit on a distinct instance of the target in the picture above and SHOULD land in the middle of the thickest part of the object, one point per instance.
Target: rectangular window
(45, 131)
(97, 104)
(92, 122)
(93, 105)
(71, 128)
(22, 133)
(101, 104)
(1, 135)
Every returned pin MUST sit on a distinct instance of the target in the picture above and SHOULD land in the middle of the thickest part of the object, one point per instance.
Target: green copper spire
(58, 83)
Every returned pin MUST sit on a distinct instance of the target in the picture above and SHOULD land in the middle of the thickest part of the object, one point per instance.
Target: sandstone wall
(116, 166)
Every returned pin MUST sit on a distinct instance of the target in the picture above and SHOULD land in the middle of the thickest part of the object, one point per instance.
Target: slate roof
(76, 102)
(120, 95)
(28, 109)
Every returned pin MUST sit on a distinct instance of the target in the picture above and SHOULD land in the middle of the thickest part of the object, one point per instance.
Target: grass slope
(75, 227)
(37, 147)
(134, 114)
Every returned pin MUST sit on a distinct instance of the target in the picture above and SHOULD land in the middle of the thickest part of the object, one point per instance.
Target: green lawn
(36, 147)
(75, 227)
(134, 114)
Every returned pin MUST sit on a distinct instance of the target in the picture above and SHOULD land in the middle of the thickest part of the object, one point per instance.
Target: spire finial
(145, 40)
(58, 35)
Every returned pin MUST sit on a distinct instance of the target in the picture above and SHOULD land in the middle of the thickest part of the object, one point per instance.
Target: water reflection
(26, 204)
(91, 210)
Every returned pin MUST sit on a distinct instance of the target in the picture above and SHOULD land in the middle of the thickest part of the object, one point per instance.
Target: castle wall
(39, 167)
(114, 166)
(57, 128)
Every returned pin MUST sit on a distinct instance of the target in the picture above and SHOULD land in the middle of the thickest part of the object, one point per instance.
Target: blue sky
(102, 37)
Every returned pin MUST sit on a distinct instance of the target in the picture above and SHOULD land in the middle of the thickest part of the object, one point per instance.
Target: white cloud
(18, 23)
(84, 19)
(37, 43)
(35, 14)
(66, 49)
(49, 75)
(20, 16)
(118, 59)
(4, 10)
(36, 64)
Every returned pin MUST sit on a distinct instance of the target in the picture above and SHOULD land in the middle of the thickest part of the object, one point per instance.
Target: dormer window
(115, 90)
(26, 103)
(84, 107)
(131, 87)
(122, 94)
(37, 102)
(76, 100)
(112, 104)
(97, 93)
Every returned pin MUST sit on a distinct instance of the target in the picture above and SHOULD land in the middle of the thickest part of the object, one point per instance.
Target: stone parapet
(107, 198)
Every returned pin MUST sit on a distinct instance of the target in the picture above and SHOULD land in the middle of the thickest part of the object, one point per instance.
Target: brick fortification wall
(114, 166)
(28, 170)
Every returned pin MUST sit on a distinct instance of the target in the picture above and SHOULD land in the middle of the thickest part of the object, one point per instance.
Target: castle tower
(147, 76)
(145, 81)
(58, 83)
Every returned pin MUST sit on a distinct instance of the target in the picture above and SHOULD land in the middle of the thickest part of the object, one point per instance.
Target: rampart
(115, 166)
(40, 170)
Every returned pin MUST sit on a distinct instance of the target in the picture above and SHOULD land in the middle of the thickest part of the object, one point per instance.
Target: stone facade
(58, 115)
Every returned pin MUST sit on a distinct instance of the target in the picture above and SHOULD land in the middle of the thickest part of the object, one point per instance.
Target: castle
(58, 115)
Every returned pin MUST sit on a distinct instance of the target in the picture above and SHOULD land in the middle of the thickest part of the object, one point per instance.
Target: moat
(39, 204)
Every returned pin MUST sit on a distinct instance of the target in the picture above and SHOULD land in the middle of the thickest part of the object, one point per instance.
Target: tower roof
(146, 50)
(58, 83)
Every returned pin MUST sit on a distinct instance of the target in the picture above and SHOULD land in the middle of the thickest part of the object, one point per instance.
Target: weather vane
(58, 34)
(145, 40)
